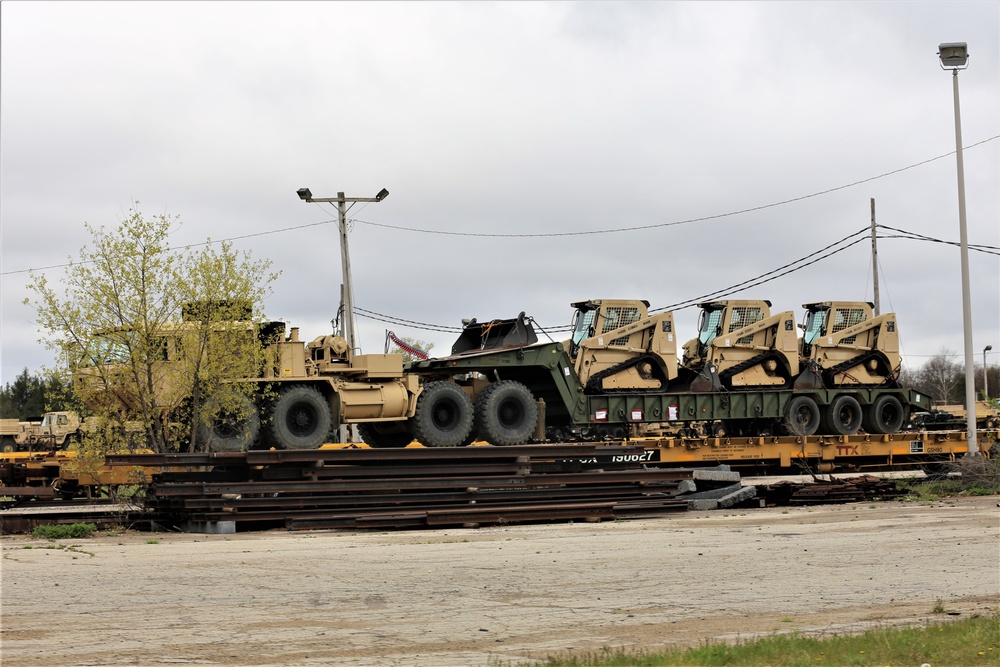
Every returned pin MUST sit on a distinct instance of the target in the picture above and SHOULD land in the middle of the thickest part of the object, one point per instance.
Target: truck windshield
(815, 319)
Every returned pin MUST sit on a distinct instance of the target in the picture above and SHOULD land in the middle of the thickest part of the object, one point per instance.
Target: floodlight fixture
(954, 55)
(305, 194)
(382, 194)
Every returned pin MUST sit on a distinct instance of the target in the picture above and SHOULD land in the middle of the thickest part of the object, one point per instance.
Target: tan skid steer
(618, 346)
(740, 344)
(843, 344)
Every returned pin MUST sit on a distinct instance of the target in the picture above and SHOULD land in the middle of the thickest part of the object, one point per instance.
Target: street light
(305, 194)
(954, 56)
(986, 379)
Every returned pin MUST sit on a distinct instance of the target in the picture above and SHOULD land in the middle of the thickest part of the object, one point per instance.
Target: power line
(676, 222)
(772, 274)
(779, 272)
(904, 234)
(183, 247)
(553, 234)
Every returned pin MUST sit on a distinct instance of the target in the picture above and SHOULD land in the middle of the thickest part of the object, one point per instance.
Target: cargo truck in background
(55, 430)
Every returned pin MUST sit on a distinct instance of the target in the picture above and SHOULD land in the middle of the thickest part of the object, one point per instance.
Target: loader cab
(710, 323)
(599, 316)
(725, 317)
(829, 317)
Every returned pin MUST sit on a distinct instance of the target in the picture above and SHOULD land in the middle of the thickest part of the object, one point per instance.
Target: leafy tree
(941, 377)
(423, 346)
(219, 339)
(114, 324)
(30, 395)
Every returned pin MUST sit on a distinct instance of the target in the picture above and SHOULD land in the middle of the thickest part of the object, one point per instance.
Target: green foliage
(114, 325)
(64, 531)
(971, 642)
(421, 345)
(31, 395)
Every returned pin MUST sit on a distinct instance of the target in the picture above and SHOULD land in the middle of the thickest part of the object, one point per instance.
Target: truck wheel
(232, 431)
(443, 417)
(8, 444)
(885, 415)
(842, 416)
(506, 413)
(802, 416)
(385, 434)
(300, 418)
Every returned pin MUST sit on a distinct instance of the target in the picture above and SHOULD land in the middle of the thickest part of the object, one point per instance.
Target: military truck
(619, 372)
(301, 391)
(54, 430)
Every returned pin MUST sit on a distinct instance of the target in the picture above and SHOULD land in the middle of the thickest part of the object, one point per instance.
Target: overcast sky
(503, 132)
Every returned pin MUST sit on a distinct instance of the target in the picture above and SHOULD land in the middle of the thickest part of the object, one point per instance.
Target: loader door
(583, 327)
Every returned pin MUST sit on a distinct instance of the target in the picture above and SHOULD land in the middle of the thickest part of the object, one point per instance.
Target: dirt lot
(494, 595)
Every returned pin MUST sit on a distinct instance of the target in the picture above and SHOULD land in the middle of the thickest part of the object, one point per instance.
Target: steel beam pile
(413, 487)
(821, 492)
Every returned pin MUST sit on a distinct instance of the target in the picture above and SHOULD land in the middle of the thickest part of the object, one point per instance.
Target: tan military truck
(54, 431)
(302, 391)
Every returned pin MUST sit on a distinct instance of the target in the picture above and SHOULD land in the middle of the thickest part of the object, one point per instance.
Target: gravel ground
(496, 595)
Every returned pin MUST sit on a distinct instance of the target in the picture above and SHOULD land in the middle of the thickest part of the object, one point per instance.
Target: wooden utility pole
(347, 287)
(874, 261)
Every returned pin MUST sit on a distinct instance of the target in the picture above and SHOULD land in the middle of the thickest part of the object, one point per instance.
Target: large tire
(233, 430)
(802, 416)
(506, 413)
(385, 434)
(842, 416)
(300, 418)
(443, 417)
(885, 415)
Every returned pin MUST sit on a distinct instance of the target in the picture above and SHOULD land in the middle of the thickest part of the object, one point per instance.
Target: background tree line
(942, 377)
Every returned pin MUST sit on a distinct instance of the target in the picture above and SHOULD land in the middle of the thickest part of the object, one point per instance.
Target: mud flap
(707, 381)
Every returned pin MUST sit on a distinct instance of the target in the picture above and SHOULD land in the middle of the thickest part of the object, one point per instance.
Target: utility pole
(874, 261)
(347, 432)
(347, 286)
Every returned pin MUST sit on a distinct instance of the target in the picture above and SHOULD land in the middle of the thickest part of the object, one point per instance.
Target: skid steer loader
(740, 344)
(844, 344)
(617, 346)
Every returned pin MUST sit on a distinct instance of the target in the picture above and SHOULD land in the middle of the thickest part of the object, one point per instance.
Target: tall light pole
(345, 256)
(986, 379)
(955, 56)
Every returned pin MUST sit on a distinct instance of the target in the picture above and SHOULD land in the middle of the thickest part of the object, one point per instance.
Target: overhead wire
(814, 257)
(676, 222)
(554, 234)
(903, 234)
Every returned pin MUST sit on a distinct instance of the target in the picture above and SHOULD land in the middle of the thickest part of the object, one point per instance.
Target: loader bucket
(707, 381)
(495, 334)
(810, 378)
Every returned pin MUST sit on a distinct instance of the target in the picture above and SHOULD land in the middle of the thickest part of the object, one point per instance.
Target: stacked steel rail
(415, 487)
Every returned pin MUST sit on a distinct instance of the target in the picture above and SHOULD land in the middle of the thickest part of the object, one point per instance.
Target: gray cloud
(509, 118)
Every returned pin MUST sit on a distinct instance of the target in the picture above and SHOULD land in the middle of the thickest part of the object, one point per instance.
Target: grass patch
(971, 642)
(965, 477)
(64, 531)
